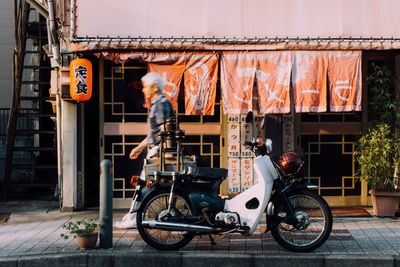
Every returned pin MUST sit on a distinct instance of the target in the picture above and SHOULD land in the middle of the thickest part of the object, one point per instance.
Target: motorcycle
(174, 206)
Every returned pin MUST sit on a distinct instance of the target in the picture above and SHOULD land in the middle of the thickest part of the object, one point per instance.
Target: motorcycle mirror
(249, 117)
(268, 145)
(262, 123)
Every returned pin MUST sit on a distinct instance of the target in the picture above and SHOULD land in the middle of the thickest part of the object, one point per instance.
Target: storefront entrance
(328, 142)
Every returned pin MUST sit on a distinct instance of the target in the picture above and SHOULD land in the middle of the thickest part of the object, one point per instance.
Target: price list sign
(246, 134)
(258, 127)
(246, 155)
(233, 145)
(246, 173)
(240, 158)
(288, 132)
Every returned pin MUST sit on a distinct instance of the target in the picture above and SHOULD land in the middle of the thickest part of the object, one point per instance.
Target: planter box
(87, 241)
(384, 203)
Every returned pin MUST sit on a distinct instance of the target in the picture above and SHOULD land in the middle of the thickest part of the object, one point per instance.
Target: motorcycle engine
(227, 218)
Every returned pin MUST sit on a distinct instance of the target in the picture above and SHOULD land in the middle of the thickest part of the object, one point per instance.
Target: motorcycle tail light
(149, 184)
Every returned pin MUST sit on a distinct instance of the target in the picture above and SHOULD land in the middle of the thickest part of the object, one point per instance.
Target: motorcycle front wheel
(153, 209)
(315, 223)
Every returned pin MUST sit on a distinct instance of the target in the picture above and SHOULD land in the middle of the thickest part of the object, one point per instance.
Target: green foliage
(382, 101)
(377, 153)
(81, 227)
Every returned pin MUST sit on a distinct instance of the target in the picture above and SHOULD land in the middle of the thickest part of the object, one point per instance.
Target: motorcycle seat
(207, 173)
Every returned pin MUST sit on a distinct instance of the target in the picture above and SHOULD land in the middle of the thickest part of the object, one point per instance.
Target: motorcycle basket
(290, 164)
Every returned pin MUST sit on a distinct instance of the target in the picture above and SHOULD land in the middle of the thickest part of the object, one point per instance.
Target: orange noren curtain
(200, 84)
(309, 79)
(344, 75)
(316, 77)
(172, 74)
(237, 82)
(273, 81)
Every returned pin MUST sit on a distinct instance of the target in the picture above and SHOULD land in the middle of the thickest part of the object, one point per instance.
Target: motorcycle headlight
(290, 163)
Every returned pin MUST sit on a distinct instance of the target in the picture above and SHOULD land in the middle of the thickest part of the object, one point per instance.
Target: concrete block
(50, 260)
(359, 260)
(298, 260)
(9, 261)
(397, 261)
(144, 259)
(217, 259)
(100, 257)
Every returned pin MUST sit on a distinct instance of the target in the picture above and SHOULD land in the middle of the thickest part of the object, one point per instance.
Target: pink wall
(238, 18)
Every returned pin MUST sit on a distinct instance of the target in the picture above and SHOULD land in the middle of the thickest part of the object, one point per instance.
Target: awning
(105, 43)
(270, 77)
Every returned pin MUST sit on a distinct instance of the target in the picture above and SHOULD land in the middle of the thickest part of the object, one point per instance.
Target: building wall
(239, 18)
(6, 45)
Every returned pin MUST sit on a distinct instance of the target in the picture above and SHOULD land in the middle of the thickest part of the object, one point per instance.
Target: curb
(144, 259)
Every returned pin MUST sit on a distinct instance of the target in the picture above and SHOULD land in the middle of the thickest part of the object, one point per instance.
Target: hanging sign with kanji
(234, 175)
(246, 174)
(234, 136)
(80, 71)
(246, 135)
(233, 153)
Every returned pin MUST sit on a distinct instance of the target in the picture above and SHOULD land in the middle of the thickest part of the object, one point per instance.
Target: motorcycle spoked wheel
(316, 223)
(163, 239)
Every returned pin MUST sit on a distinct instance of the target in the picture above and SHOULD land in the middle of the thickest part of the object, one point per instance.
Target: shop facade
(307, 83)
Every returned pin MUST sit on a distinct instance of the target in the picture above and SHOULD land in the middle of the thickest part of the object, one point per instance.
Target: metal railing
(41, 6)
(4, 115)
(22, 123)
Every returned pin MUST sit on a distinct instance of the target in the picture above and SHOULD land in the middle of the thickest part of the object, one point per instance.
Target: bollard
(106, 208)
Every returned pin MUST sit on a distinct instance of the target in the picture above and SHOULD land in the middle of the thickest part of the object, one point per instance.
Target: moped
(173, 206)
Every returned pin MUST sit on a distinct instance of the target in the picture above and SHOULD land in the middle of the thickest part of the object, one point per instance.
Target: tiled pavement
(359, 236)
(38, 233)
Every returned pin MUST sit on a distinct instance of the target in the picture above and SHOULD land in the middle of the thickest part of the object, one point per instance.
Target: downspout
(72, 22)
(54, 46)
(53, 31)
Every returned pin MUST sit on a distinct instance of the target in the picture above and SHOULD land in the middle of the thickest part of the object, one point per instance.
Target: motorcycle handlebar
(249, 143)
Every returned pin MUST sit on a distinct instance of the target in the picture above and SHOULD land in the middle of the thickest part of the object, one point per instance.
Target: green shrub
(378, 154)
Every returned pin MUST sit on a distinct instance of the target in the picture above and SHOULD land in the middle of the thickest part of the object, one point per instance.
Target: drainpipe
(54, 46)
(72, 21)
(53, 30)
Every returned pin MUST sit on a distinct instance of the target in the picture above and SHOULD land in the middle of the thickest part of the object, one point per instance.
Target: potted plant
(378, 150)
(378, 156)
(85, 231)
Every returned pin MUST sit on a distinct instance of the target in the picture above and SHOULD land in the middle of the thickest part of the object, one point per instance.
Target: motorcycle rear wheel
(316, 223)
(163, 239)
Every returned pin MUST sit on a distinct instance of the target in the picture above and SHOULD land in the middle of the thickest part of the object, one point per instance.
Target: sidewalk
(32, 238)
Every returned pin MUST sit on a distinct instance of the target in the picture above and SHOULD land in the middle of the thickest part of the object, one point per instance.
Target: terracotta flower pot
(384, 204)
(87, 241)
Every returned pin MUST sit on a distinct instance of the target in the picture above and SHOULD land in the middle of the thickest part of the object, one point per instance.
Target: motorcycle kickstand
(212, 240)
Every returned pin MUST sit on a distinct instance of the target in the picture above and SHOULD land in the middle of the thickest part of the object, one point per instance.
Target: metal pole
(106, 208)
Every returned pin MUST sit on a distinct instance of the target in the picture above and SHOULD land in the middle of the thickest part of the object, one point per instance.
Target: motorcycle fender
(272, 220)
(138, 197)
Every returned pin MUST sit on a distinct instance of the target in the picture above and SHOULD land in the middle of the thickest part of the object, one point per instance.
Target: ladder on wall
(31, 151)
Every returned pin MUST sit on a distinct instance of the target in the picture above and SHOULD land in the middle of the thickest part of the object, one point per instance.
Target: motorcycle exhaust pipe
(170, 226)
